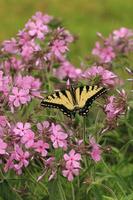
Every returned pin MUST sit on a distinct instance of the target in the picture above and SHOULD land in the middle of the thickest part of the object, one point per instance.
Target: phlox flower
(28, 49)
(4, 83)
(28, 139)
(59, 48)
(122, 33)
(41, 147)
(3, 147)
(58, 136)
(105, 77)
(4, 125)
(43, 127)
(14, 64)
(106, 54)
(29, 83)
(67, 70)
(72, 165)
(18, 97)
(10, 46)
(37, 28)
(115, 107)
(95, 151)
(40, 16)
(22, 159)
(22, 128)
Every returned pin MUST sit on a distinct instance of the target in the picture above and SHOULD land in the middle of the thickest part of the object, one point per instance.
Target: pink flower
(10, 46)
(21, 128)
(67, 70)
(3, 147)
(28, 139)
(122, 33)
(58, 137)
(104, 76)
(58, 48)
(43, 127)
(41, 147)
(106, 54)
(4, 83)
(37, 29)
(44, 18)
(95, 152)
(21, 157)
(72, 165)
(72, 159)
(29, 83)
(28, 49)
(19, 97)
(115, 107)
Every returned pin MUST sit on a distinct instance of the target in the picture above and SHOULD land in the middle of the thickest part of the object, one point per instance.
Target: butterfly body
(74, 100)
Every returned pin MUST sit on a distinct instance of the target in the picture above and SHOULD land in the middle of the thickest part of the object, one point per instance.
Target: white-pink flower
(19, 96)
(95, 151)
(72, 165)
(104, 76)
(28, 139)
(41, 147)
(3, 147)
(58, 136)
(21, 128)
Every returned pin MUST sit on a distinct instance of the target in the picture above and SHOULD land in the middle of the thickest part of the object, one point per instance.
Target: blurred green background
(82, 17)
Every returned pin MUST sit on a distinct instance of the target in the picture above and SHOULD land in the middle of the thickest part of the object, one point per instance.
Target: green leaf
(6, 192)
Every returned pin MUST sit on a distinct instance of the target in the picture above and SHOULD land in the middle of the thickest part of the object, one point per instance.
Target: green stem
(35, 181)
(61, 191)
(84, 130)
(73, 193)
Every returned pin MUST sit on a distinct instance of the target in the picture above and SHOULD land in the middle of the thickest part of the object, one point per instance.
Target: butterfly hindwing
(86, 95)
(62, 100)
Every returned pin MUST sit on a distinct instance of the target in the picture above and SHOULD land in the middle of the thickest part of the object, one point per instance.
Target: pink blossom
(21, 158)
(19, 97)
(115, 107)
(104, 76)
(28, 49)
(4, 83)
(43, 127)
(41, 147)
(95, 152)
(122, 33)
(37, 29)
(106, 54)
(72, 165)
(10, 162)
(58, 48)
(29, 83)
(44, 18)
(21, 128)
(58, 136)
(3, 147)
(67, 70)
(24, 38)
(4, 125)
(10, 46)
(28, 139)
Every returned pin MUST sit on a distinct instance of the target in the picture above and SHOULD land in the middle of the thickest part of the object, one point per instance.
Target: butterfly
(74, 100)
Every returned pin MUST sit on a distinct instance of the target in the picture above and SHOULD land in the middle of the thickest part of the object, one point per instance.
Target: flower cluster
(115, 107)
(72, 164)
(119, 42)
(28, 63)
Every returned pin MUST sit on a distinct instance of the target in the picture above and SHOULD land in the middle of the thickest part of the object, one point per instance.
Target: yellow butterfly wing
(86, 95)
(62, 100)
